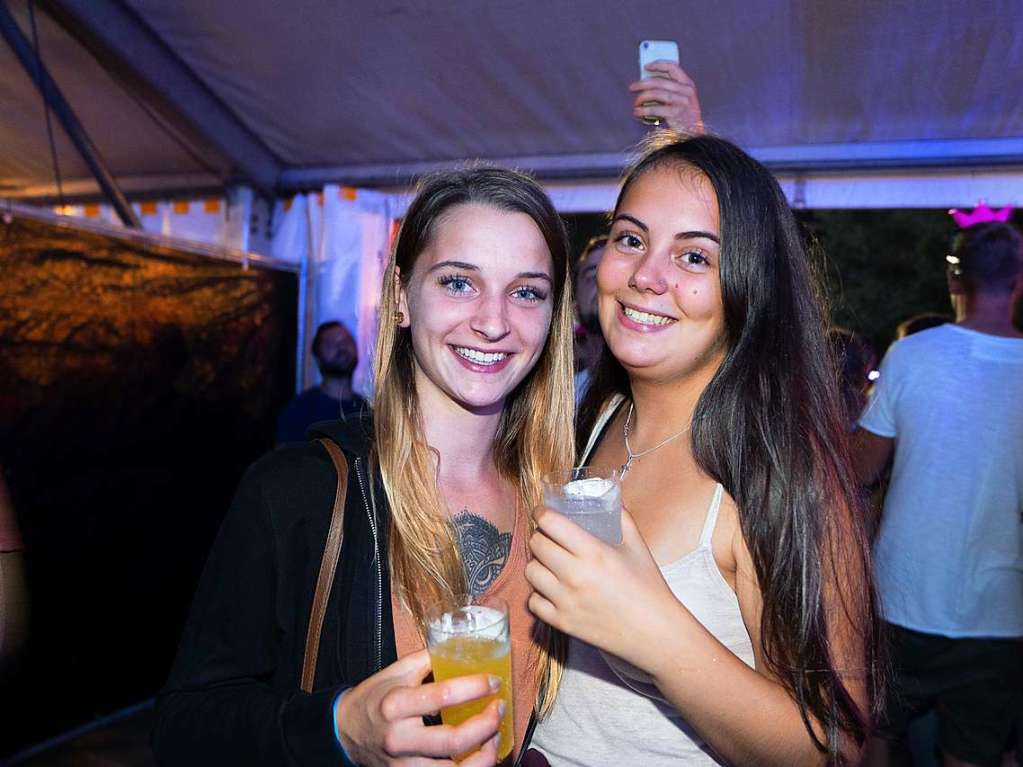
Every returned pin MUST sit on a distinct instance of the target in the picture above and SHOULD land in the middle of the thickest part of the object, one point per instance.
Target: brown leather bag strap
(328, 566)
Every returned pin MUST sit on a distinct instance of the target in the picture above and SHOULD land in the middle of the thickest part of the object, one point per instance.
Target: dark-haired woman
(735, 623)
(473, 406)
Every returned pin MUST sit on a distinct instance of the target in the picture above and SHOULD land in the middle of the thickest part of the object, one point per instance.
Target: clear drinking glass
(472, 637)
(591, 497)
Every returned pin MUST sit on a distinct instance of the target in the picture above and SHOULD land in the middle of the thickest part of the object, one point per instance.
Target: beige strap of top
(328, 566)
(598, 428)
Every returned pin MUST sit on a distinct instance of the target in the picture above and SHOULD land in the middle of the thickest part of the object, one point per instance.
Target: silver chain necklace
(628, 448)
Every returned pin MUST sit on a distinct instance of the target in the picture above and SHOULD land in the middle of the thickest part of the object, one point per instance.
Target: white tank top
(607, 712)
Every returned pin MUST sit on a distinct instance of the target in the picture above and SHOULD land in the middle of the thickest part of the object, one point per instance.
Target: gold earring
(399, 317)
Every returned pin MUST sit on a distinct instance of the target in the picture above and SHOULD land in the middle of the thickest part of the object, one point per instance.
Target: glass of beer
(590, 497)
(472, 637)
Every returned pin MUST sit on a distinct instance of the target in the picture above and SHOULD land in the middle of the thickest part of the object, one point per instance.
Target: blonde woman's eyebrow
(534, 276)
(464, 265)
(467, 267)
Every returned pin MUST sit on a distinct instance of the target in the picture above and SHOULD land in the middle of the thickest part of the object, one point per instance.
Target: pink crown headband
(979, 215)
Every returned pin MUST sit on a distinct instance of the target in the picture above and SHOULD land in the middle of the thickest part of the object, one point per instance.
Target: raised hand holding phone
(665, 94)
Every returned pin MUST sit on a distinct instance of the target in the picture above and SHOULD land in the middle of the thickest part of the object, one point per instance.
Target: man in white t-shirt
(948, 558)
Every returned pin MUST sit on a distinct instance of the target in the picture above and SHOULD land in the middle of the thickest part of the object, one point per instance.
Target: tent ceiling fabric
(126, 136)
(394, 83)
(401, 81)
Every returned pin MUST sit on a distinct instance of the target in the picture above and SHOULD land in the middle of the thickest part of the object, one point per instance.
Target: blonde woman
(473, 407)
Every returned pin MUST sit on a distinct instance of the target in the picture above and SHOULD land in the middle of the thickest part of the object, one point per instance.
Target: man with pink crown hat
(948, 557)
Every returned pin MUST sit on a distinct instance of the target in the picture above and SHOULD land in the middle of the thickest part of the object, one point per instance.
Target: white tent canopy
(853, 105)
(877, 97)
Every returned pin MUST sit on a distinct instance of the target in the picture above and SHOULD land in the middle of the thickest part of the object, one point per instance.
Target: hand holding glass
(472, 637)
(590, 497)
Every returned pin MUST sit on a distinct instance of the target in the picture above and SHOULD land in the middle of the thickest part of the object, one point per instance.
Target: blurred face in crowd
(336, 352)
(658, 284)
(586, 290)
(479, 304)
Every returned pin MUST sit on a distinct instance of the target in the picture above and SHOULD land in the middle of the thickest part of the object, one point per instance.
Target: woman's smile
(481, 361)
(644, 321)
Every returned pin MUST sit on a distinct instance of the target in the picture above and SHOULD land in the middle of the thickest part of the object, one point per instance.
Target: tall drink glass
(590, 497)
(472, 637)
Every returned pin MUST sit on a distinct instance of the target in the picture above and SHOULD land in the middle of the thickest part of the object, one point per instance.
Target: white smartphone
(650, 51)
(656, 50)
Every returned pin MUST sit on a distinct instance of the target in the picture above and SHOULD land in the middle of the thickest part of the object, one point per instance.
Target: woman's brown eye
(693, 258)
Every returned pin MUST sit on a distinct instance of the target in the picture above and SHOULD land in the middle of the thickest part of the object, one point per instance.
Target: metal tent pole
(72, 127)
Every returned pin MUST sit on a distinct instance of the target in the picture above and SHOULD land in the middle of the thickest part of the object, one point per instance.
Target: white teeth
(480, 358)
(644, 318)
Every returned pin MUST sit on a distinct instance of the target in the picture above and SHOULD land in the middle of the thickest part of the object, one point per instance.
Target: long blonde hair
(535, 433)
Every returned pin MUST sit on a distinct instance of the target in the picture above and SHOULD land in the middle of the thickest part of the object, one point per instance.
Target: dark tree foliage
(135, 386)
(881, 267)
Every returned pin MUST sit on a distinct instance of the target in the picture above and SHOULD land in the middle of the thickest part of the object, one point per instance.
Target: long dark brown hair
(769, 427)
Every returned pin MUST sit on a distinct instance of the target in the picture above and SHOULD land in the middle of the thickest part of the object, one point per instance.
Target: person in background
(948, 407)
(336, 356)
(671, 98)
(13, 595)
(589, 343)
(875, 492)
(855, 358)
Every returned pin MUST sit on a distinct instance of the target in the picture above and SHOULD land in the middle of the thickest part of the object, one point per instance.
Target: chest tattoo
(484, 550)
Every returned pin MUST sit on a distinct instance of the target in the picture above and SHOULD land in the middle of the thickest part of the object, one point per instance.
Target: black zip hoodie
(233, 694)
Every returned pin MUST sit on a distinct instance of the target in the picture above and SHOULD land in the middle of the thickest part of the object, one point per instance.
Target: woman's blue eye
(455, 283)
(529, 294)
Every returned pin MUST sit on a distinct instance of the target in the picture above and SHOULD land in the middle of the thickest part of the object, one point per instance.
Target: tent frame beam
(143, 63)
(55, 101)
(82, 191)
(894, 155)
(151, 240)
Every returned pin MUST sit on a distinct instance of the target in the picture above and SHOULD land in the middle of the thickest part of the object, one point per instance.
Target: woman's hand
(674, 98)
(381, 720)
(613, 597)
